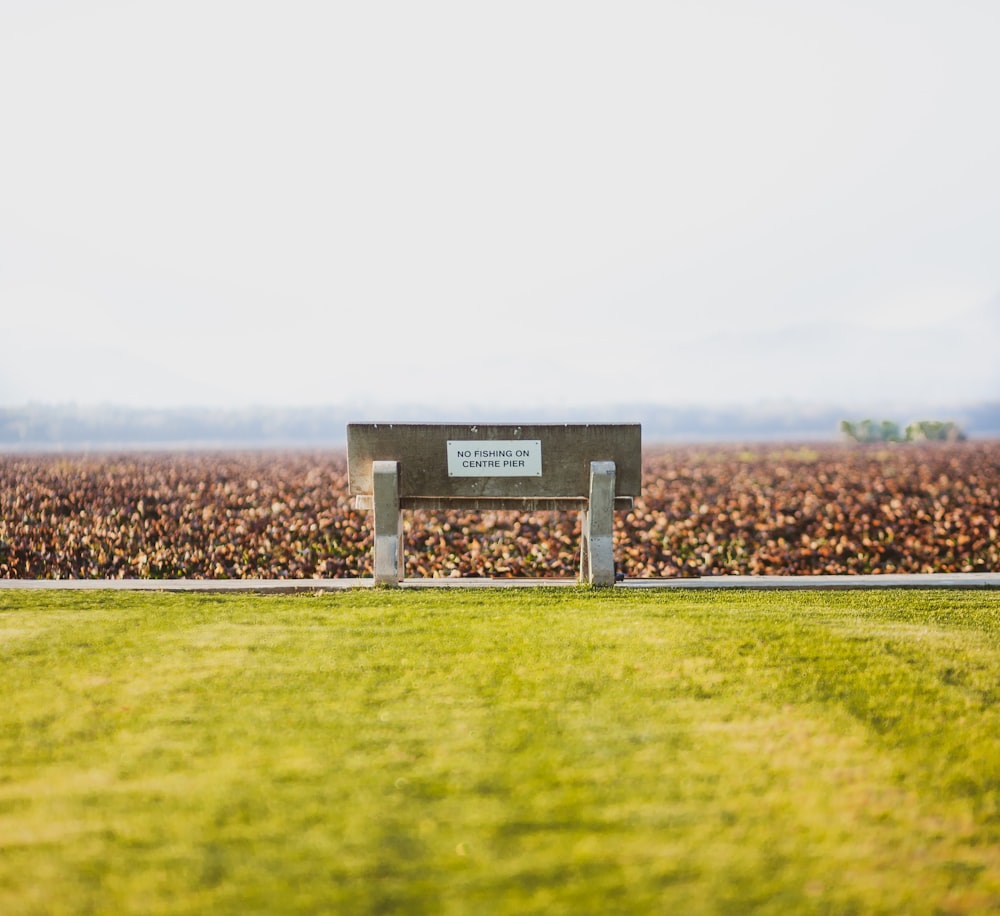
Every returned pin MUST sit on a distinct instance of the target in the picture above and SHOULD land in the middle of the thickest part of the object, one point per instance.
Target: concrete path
(929, 580)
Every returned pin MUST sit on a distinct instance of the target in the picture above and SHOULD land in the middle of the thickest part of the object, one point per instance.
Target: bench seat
(491, 503)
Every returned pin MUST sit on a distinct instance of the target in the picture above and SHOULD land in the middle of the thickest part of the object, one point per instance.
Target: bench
(593, 468)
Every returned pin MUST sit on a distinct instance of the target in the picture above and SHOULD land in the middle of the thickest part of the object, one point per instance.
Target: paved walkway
(929, 580)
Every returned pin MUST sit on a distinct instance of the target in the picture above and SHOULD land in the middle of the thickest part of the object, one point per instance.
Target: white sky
(228, 202)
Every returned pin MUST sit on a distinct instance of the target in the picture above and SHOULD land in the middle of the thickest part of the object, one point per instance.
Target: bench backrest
(441, 462)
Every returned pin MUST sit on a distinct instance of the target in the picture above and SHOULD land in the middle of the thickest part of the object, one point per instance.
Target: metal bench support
(388, 523)
(597, 560)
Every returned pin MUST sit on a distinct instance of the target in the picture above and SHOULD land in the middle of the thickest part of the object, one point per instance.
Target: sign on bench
(593, 468)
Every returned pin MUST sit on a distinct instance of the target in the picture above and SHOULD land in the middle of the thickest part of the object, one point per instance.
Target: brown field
(704, 511)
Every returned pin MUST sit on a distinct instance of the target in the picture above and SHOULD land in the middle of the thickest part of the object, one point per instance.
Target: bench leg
(388, 523)
(597, 558)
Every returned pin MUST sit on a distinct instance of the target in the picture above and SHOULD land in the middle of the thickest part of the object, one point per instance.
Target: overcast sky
(228, 202)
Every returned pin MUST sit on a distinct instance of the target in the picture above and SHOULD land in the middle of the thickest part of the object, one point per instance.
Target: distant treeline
(889, 431)
(111, 426)
(66, 427)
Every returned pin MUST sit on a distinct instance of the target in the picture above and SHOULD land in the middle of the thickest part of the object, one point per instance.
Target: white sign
(495, 458)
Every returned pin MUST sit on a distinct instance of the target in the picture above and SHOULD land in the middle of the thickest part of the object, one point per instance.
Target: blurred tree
(888, 431)
(934, 431)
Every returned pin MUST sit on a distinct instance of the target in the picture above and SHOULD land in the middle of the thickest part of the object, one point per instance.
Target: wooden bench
(593, 468)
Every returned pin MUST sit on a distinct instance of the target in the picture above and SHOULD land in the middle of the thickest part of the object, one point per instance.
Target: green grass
(500, 751)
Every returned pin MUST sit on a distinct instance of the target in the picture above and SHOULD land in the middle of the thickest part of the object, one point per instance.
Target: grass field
(500, 751)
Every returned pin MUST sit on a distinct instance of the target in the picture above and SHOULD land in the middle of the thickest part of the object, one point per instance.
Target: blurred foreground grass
(556, 751)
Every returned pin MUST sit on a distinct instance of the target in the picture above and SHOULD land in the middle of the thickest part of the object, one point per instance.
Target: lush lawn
(551, 751)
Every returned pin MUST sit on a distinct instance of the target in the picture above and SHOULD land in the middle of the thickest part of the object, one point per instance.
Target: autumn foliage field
(704, 510)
